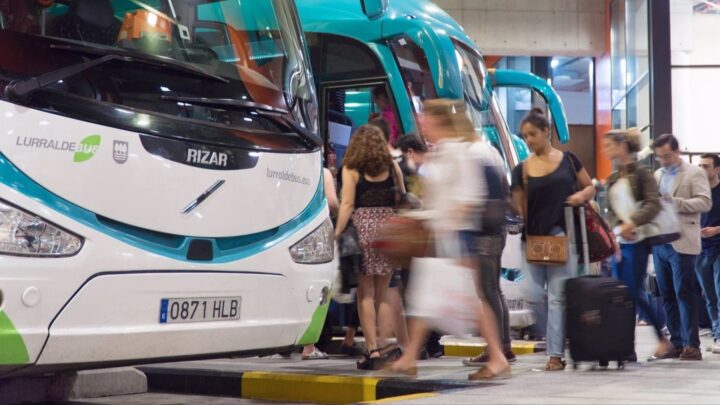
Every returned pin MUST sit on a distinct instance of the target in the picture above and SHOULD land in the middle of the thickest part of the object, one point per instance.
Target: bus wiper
(22, 88)
(262, 109)
(225, 102)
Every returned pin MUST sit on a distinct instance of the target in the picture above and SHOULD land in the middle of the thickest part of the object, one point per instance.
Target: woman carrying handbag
(442, 290)
(634, 201)
(542, 186)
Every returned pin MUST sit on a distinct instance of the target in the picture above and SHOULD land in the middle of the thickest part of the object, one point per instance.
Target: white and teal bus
(160, 183)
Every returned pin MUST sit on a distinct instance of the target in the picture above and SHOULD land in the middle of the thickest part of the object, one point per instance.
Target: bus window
(517, 102)
(482, 106)
(415, 70)
(335, 57)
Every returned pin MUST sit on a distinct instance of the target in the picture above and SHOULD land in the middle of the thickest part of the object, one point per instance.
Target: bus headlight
(24, 234)
(318, 247)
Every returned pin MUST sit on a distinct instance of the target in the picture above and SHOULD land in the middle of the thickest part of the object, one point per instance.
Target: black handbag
(651, 286)
(350, 254)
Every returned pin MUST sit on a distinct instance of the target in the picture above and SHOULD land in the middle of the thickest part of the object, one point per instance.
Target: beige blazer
(691, 195)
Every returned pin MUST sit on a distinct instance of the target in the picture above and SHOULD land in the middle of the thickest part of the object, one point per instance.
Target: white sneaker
(716, 348)
(705, 332)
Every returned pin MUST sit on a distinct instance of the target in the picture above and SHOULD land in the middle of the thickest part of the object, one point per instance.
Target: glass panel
(619, 63)
(695, 111)
(637, 40)
(572, 79)
(481, 106)
(169, 59)
(415, 71)
(334, 55)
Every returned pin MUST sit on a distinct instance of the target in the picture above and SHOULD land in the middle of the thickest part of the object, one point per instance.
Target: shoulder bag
(547, 250)
(403, 200)
(350, 254)
(600, 237)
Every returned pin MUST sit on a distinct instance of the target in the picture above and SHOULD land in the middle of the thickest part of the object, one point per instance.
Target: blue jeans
(708, 274)
(632, 271)
(537, 279)
(676, 280)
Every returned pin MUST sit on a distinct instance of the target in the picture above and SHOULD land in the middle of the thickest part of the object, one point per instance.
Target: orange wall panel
(603, 100)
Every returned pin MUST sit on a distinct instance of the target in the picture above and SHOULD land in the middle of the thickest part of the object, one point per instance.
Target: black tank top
(375, 193)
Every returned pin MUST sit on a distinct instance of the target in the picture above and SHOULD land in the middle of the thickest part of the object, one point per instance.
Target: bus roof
(346, 17)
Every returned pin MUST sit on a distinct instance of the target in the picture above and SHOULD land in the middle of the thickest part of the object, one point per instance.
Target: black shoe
(631, 358)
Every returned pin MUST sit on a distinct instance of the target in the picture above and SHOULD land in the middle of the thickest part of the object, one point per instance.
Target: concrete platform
(443, 381)
(662, 382)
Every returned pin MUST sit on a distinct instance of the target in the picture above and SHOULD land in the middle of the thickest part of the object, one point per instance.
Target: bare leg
(384, 311)
(418, 335)
(401, 332)
(366, 310)
(349, 336)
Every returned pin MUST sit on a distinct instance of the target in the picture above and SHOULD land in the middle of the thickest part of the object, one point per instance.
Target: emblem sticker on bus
(82, 151)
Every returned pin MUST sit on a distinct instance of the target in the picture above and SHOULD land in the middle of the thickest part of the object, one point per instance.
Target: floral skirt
(367, 221)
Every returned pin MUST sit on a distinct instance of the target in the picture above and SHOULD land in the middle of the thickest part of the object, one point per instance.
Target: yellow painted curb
(403, 398)
(476, 349)
(324, 389)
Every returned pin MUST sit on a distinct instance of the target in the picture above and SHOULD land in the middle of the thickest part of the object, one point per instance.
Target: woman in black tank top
(367, 198)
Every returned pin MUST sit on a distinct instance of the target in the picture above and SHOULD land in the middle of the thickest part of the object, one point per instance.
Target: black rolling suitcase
(600, 313)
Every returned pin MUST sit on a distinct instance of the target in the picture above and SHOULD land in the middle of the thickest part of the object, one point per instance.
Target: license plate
(175, 310)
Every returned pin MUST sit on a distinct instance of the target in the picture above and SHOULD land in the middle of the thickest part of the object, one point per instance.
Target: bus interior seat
(90, 21)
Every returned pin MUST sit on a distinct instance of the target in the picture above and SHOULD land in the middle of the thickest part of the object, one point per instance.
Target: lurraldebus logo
(82, 151)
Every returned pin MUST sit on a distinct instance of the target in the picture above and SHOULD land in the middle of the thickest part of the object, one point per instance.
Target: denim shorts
(475, 243)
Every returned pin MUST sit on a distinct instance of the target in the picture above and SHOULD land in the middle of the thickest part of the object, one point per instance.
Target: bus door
(344, 108)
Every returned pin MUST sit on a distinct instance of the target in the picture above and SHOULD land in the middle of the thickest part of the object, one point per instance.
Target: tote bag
(442, 291)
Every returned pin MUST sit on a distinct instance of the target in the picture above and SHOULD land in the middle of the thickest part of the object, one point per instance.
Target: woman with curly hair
(368, 196)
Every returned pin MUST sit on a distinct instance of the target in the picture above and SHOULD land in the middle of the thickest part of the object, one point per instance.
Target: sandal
(555, 364)
(371, 363)
(391, 352)
(485, 374)
(391, 370)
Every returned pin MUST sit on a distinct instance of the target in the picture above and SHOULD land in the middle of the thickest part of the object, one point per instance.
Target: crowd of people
(460, 179)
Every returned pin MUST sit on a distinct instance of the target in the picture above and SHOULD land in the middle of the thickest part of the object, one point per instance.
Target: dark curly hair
(367, 152)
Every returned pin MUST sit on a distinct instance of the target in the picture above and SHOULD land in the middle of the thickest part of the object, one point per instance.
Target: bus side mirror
(374, 8)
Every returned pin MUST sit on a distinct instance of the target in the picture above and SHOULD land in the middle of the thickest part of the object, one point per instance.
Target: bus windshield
(482, 105)
(171, 53)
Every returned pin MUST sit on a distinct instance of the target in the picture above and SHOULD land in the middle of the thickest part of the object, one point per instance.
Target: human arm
(710, 231)
(518, 191)
(587, 189)
(330, 192)
(347, 199)
(700, 200)
(649, 198)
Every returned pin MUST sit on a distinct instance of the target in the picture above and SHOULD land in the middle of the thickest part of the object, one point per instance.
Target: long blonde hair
(452, 115)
